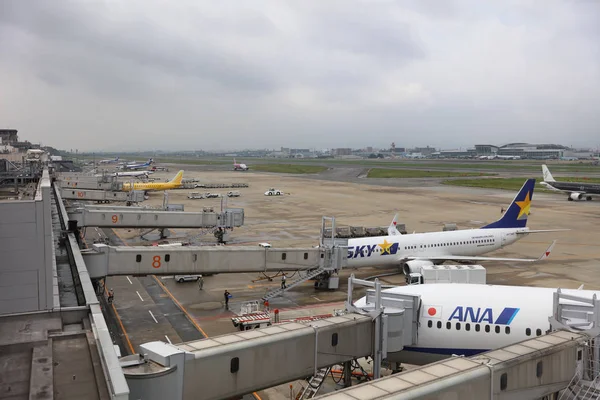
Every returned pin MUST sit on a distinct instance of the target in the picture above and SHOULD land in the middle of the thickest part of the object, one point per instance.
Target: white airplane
(416, 250)
(468, 319)
(239, 167)
(136, 174)
(116, 160)
(139, 166)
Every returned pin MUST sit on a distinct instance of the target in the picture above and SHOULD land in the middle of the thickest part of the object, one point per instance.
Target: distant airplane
(576, 190)
(139, 166)
(116, 160)
(239, 167)
(411, 252)
(155, 186)
(136, 174)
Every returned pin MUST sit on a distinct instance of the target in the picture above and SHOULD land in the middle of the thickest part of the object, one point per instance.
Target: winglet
(548, 251)
(392, 230)
(581, 287)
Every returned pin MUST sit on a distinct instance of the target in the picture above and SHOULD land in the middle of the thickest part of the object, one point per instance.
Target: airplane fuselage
(467, 319)
(371, 251)
(574, 187)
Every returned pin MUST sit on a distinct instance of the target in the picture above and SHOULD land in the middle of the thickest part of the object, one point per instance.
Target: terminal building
(521, 150)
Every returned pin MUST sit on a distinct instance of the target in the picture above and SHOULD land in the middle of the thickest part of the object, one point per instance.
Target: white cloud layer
(219, 75)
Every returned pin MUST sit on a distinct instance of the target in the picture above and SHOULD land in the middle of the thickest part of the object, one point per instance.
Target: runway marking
(316, 298)
(139, 295)
(192, 320)
(153, 317)
(168, 340)
(131, 283)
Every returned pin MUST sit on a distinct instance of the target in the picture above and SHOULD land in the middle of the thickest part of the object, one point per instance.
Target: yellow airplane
(172, 184)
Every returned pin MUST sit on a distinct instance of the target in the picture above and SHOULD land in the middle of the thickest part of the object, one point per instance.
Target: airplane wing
(450, 257)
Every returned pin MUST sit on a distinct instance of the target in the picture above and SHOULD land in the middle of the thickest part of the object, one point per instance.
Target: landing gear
(570, 198)
(589, 198)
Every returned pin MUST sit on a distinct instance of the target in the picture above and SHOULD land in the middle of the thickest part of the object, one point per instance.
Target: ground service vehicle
(273, 192)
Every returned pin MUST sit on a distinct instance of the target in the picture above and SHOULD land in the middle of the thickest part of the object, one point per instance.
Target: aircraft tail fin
(516, 214)
(392, 230)
(547, 175)
(177, 178)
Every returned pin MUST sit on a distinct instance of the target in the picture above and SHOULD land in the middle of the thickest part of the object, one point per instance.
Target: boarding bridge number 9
(115, 218)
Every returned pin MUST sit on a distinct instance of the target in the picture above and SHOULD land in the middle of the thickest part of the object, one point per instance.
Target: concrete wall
(26, 253)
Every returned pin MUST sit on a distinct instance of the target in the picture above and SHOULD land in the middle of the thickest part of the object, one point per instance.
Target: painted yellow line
(121, 324)
(179, 305)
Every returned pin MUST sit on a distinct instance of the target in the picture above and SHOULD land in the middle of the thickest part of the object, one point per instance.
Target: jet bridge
(103, 260)
(235, 364)
(135, 196)
(130, 217)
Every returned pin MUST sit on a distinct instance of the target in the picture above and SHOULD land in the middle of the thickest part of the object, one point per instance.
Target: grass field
(509, 183)
(416, 173)
(288, 168)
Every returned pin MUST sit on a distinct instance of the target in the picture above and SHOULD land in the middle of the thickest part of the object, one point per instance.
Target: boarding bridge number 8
(156, 262)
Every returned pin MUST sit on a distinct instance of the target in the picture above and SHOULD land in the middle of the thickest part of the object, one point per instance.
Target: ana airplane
(467, 319)
(154, 186)
(116, 160)
(139, 166)
(576, 190)
(420, 249)
(239, 167)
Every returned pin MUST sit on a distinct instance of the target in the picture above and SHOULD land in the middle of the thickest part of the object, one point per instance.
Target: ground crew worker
(283, 278)
(201, 282)
(111, 295)
(227, 295)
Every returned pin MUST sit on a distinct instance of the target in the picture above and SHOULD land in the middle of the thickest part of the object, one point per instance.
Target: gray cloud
(194, 74)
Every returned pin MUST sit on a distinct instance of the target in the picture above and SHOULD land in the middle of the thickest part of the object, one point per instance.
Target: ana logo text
(479, 315)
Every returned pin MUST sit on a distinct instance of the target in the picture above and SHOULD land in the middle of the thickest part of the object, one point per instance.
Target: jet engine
(575, 196)
(413, 266)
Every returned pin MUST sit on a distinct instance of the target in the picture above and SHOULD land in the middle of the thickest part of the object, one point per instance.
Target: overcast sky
(172, 75)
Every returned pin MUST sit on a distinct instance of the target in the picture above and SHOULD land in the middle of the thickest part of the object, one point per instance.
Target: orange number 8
(156, 262)
(115, 219)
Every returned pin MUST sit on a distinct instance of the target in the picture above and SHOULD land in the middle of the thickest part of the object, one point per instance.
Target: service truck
(448, 274)
(233, 193)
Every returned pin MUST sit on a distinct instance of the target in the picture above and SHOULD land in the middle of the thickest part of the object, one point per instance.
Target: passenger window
(194, 257)
(507, 330)
(477, 328)
(497, 329)
(429, 323)
(538, 332)
(138, 258)
(487, 328)
(458, 326)
(334, 339)
(167, 257)
(306, 256)
(468, 326)
(528, 332)
(439, 324)
(448, 325)
(539, 370)
(283, 256)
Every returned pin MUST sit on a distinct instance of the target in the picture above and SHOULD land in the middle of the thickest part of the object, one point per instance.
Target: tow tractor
(273, 192)
(253, 317)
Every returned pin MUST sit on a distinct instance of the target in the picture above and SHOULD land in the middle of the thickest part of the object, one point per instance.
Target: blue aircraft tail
(516, 214)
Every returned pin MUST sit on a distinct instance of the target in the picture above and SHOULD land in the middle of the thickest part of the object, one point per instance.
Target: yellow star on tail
(385, 246)
(524, 205)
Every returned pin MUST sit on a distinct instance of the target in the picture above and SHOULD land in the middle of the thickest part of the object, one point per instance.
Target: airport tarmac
(154, 308)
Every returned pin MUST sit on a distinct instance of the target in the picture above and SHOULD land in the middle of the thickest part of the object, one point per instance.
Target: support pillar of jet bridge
(231, 365)
(103, 260)
(149, 218)
(136, 196)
